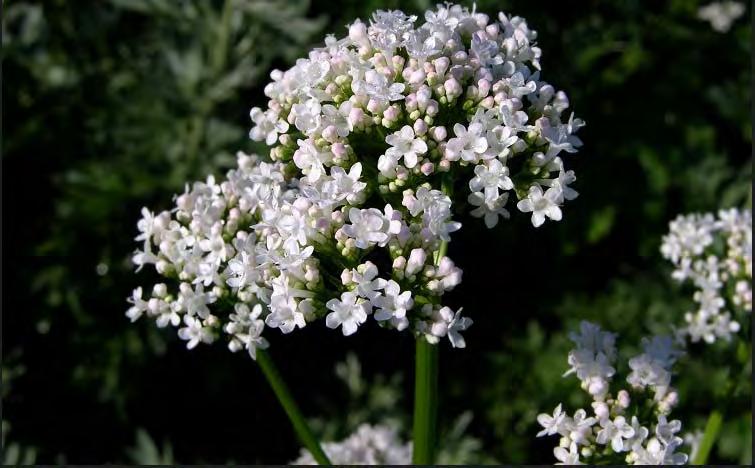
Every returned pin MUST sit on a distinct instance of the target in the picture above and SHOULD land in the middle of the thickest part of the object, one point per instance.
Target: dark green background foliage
(111, 106)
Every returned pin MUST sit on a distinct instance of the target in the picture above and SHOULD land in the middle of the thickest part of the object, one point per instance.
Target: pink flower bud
(417, 77)
(160, 290)
(432, 108)
(483, 87)
(424, 95)
(416, 261)
(623, 399)
(427, 168)
(355, 116)
(391, 113)
(346, 277)
(420, 127)
(452, 87)
(330, 133)
(441, 65)
(438, 133)
(601, 410)
(358, 32)
(459, 57)
(373, 106)
(338, 149)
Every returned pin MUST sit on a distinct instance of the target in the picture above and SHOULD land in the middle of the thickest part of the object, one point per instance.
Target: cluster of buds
(714, 253)
(629, 426)
(372, 137)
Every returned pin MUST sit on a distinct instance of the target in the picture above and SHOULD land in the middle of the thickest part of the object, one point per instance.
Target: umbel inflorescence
(373, 138)
(628, 426)
(714, 253)
(368, 445)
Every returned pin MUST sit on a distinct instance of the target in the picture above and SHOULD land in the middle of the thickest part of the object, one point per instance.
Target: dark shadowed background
(114, 105)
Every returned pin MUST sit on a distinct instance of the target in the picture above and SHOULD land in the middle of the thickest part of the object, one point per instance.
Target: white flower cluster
(721, 15)
(629, 426)
(350, 214)
(714, 253)
(369, 445)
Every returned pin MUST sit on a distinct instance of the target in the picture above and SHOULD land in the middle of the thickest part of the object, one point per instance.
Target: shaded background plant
(112, 107)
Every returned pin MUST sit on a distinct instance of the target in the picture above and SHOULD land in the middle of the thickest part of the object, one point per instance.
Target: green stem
(716, 417)
(425, 402)
(292, 409)
(426, 378)
(712, 429)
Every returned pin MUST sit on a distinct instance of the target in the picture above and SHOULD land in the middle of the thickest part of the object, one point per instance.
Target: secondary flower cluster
(628, 426)
(714, 253)
(350, 215)
(369, 445)
(721, 15)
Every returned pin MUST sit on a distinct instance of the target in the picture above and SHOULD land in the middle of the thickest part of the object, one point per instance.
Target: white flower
(392, 303)
(721, 15)
(195, 332)
(368, 284)
(455, 323)
(285, 314)
(346, 186)
(166, 313)
(368, 445)
(469, 143)
(150, 226)
(561, 185)
(138, 306)
(349, 313)
(291, 221)
(567, 457)
(307, 116)
(490, 210)
(486, 51)
(389, 28)
(579, 429)
(291, 256)
(246, 328)
(339, 118)
(404, 144)
(559, 137)
(367, 227)
(267, 126)
(489, 178)
(387, 165)
(195, 301)
(311, 159)
(379, 88)
(436, 212)
(515, 120)
(500, 139)
(242, 270)
(615, 432)
(640, 434)
(541, 205)
(551, 424)
(519, 86)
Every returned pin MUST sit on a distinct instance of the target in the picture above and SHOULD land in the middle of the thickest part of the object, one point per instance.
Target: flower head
(366, 136)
